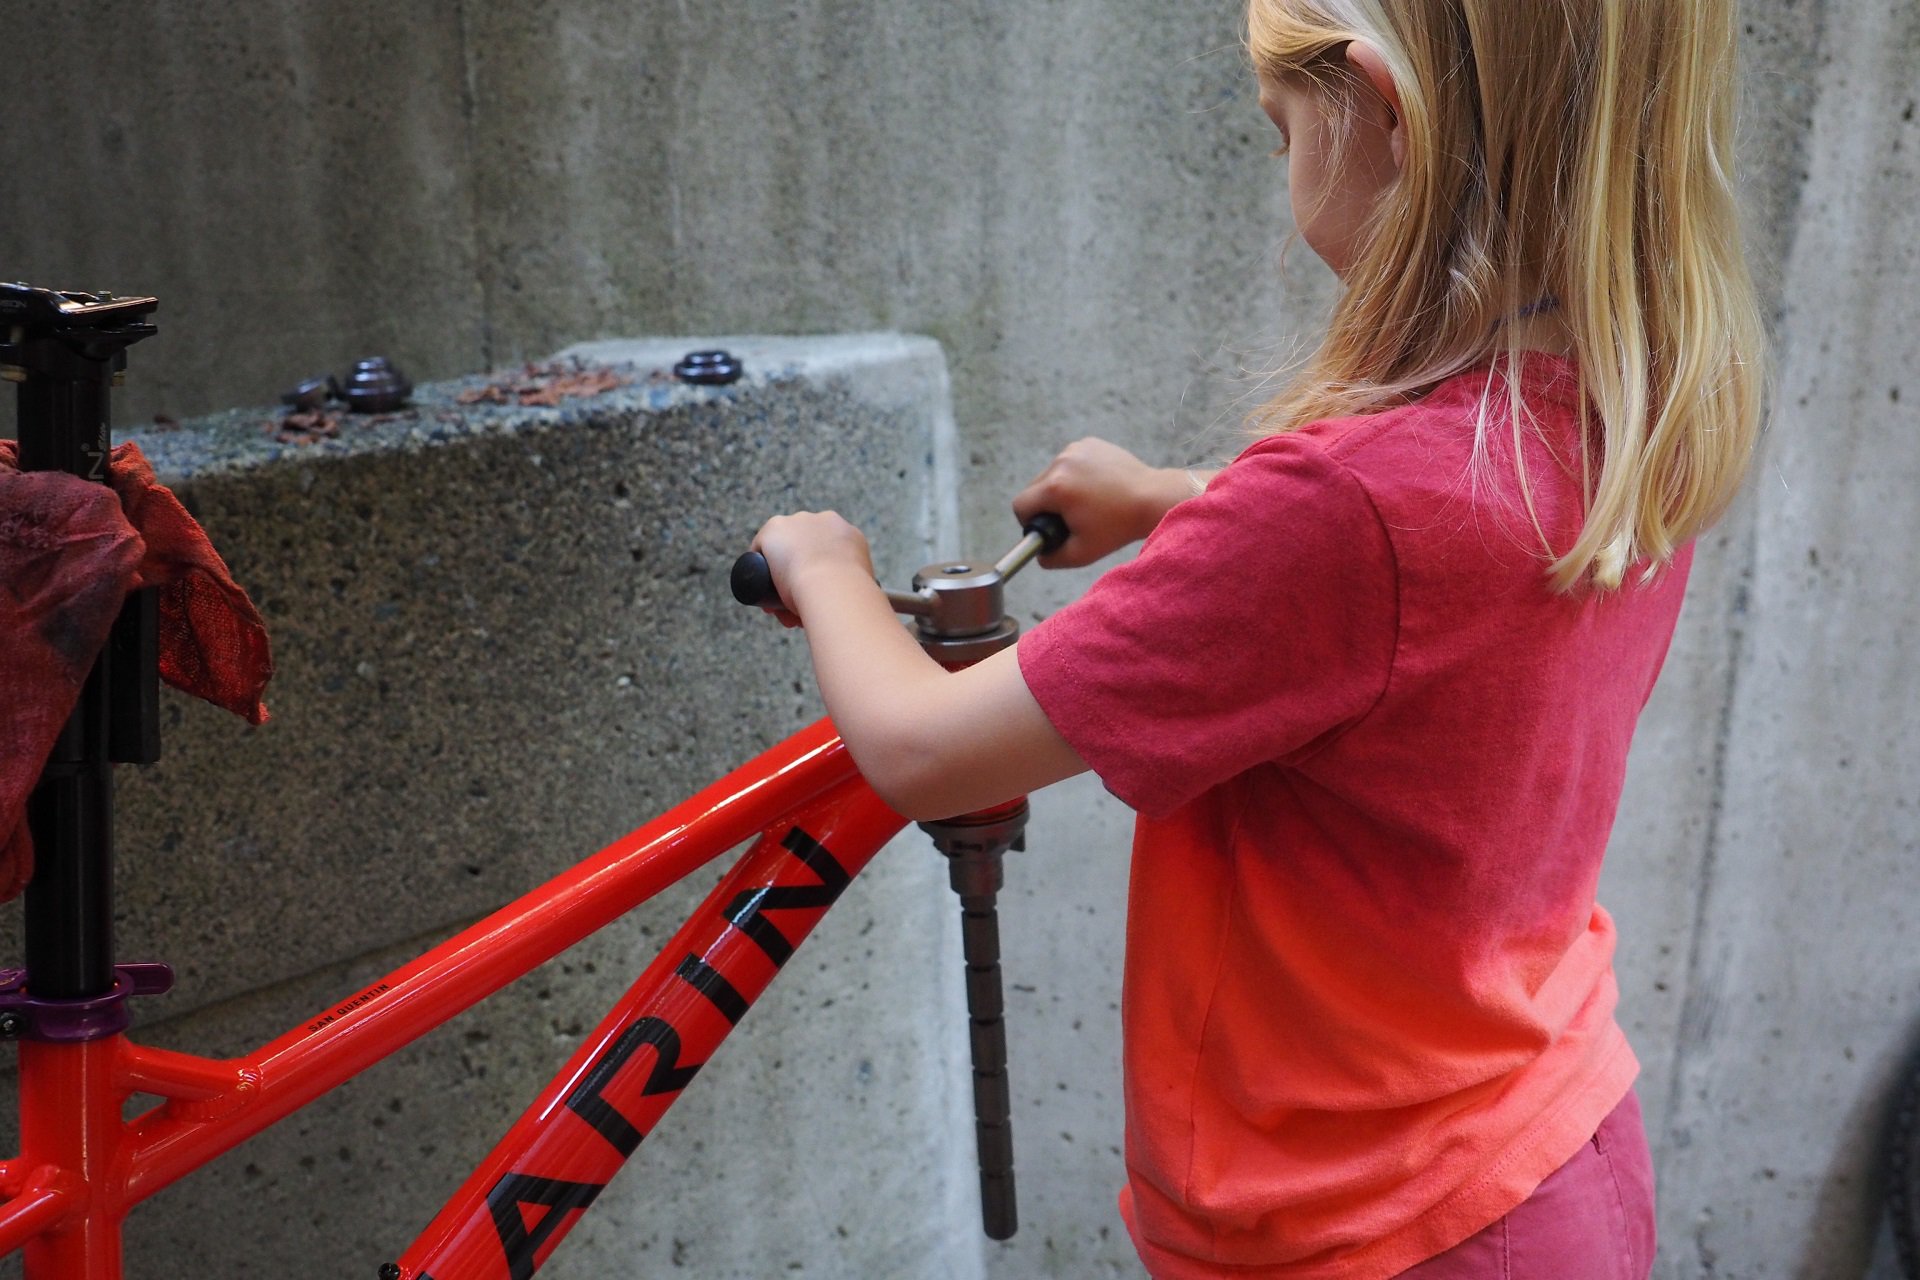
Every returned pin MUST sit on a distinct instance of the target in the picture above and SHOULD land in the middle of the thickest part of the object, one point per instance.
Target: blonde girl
(1370, 686)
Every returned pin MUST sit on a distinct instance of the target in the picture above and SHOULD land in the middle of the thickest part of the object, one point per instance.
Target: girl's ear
(1369, 64)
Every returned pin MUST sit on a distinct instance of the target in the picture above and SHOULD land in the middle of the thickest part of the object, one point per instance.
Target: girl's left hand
(806, 547)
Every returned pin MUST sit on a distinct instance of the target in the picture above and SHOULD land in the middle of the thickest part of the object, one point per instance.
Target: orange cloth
(70, 551)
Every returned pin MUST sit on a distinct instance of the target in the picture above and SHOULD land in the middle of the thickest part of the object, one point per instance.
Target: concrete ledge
(504, 638)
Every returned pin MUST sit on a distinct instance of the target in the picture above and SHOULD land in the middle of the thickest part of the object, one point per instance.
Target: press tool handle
(752, 579)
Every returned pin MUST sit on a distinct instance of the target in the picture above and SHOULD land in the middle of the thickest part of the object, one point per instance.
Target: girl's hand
(806, 549)
(1107, 496)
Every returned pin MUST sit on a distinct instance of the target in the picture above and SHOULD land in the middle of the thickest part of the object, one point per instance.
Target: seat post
(64, 351)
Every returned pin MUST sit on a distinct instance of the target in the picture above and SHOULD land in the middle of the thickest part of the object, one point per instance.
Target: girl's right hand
(1107, 496)
(810, 542)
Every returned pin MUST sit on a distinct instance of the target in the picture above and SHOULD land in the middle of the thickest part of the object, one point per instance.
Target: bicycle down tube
(813, 823)
(82, 1167)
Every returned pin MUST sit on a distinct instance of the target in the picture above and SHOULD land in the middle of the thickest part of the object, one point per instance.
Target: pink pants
(1592, 1219)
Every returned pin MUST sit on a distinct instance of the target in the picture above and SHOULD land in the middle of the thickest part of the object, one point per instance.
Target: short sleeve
(1259, 618)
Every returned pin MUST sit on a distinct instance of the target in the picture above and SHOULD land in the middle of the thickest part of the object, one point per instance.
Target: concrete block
(504, 637)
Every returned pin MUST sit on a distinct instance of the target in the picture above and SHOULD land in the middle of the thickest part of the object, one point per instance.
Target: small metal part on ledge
(375, 386)
(311, 393)
(708, 368)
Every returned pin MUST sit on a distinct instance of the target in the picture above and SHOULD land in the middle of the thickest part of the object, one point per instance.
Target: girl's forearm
(875, 681)
(864, 659)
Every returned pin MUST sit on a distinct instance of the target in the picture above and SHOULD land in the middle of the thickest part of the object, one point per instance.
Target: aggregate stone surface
(503, 637)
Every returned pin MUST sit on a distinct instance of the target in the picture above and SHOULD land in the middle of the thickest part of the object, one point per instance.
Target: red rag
(70, 551)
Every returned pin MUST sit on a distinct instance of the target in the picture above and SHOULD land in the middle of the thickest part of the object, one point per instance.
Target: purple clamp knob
(27, 1017)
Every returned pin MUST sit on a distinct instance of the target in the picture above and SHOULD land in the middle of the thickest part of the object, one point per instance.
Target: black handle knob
(1051, 528)
(752, 580)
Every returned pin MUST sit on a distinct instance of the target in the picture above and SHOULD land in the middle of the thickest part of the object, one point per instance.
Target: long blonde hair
(1572, 150)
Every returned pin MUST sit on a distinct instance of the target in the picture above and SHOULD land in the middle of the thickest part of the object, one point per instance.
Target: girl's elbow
(907, 774)
(913, 794)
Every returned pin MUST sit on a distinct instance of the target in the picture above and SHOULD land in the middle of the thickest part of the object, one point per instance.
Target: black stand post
(64, 350)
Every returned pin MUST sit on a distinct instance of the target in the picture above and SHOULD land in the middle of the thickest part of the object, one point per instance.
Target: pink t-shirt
(1369, 995)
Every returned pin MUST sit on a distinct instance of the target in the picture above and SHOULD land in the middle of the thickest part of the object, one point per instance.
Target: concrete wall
(1798, 995)
(1073, 198)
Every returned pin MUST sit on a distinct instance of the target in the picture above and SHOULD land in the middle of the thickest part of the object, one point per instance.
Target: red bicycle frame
(817, 823)
(813, 821)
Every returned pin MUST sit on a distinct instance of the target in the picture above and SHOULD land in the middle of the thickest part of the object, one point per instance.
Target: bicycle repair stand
(960, 617)
(66, 351)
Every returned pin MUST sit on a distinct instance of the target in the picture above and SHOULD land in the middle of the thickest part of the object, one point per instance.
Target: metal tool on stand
(959, 617)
